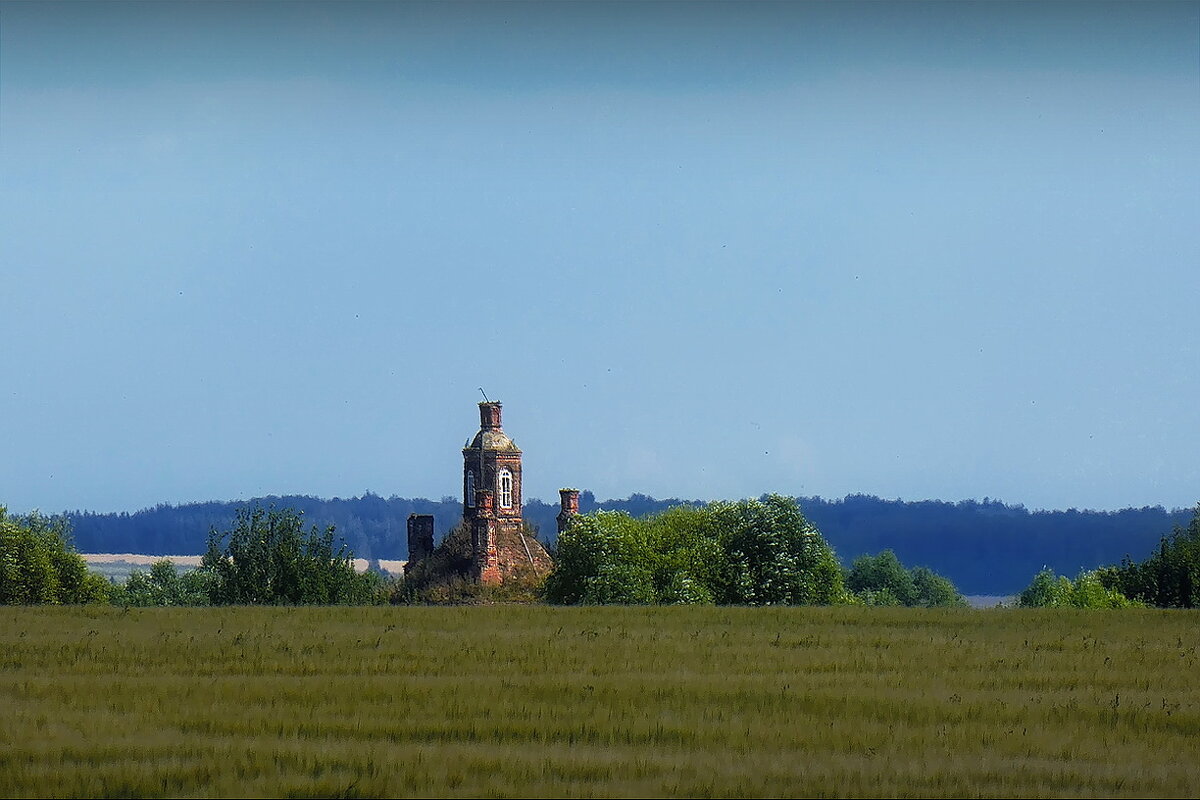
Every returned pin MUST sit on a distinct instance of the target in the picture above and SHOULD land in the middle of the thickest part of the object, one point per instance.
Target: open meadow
(598, 701)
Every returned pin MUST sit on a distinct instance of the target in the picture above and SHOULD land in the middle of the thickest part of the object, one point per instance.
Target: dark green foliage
(773, 555)
(935, 591)
(881, 580)
(451, 559)
(38, 563)
(1046, 590)
(1170, 578)
(268, 559)
(604, 558)
(688, 564)
(752, 552)
(1087, 591)
(164, 586)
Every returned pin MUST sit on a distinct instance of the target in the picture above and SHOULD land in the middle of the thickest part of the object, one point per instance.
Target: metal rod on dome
(485, 397)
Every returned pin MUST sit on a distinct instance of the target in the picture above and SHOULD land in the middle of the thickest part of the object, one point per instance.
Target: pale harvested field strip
(513, 701)
(126, 562)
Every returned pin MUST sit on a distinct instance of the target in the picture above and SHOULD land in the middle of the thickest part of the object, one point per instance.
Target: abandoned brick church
(493, 543)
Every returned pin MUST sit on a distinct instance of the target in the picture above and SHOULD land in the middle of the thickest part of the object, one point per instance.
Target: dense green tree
(1170, 578)
(1048, 590)
(881, 580)
(1089, 591)
(603, 558)
(38, 563)
(687, 560)
(268, 558)
(935, 591)
(163, 585)
(773, 555)
(752, 552)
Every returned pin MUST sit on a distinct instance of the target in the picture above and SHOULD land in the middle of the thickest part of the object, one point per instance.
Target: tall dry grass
(518, 701)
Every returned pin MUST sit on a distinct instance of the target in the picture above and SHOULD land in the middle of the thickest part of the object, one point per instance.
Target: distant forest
(985, 547)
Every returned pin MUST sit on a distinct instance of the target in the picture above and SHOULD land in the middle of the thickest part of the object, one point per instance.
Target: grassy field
(515, 701)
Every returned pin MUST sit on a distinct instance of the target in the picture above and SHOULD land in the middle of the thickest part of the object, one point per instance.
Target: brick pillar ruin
(569, 501)
(485, 556)
(489, 416)
(420, 538)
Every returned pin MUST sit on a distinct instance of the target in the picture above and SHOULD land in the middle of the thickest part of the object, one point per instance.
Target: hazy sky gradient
(699, 250)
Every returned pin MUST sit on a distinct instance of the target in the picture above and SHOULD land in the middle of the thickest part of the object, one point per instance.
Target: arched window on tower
(470, 489)
(504, 488)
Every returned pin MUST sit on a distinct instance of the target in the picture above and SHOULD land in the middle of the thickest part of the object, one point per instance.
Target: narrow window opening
(504, 488)
(470, 489)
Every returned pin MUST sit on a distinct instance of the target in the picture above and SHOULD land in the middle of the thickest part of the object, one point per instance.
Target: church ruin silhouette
(501, 547)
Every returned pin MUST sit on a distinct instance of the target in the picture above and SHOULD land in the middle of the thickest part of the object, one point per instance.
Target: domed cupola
(492, 462)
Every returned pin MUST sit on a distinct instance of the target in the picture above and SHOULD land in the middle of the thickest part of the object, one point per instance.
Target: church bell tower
(492, 494)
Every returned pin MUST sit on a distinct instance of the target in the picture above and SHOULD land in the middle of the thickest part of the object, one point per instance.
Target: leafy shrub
(1170, 578)
(163, 585)
(750, 552)
(1048, 590)
(884, 597)
(38, 563)
(268, 558)
(881, 580)
(882, 576)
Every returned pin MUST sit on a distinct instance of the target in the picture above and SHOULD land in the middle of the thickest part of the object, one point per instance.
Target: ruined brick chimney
(489, 416)
(569, 502)
(420, 538)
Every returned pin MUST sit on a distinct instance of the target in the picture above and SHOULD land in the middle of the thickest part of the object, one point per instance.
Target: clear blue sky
(698, 250)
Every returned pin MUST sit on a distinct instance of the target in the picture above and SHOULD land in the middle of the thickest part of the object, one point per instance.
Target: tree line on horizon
(984, 547)
(748, 552)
